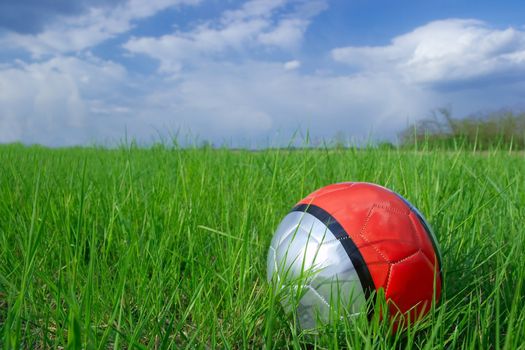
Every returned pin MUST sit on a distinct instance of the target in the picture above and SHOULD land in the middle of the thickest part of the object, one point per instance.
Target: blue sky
(250, 73)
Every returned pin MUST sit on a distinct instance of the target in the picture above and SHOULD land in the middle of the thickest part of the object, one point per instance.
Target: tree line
(503, 129)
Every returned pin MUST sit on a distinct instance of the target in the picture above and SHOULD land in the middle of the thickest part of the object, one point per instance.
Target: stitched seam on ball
(364, 237)
(397, 262)
(388, 278)
(433, 264)
(334, 240)
(392, 209)
(319, 295)
(415, 231)
(408, 257)
(337, 240)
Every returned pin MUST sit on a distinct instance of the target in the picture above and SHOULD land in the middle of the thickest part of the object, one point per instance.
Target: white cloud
(291, 65)
(288, 34)
(446, 51)
(68, 101)
(174, 50)
(251, 26)
(253, 9)
(52, 102)
(72, 34)
(258, 99)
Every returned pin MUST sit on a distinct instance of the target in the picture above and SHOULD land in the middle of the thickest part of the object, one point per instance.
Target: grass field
(164, 248)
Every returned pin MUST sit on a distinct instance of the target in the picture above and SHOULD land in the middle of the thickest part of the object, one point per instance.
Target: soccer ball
(344, 242)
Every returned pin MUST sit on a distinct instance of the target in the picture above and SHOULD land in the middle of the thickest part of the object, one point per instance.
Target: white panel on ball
(306, 255)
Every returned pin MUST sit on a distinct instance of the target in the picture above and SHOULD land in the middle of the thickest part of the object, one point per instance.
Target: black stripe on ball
(351, 249)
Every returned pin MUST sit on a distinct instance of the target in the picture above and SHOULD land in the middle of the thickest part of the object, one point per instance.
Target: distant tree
(501, 128)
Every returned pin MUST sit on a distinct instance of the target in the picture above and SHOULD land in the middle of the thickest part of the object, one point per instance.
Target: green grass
(164, 248)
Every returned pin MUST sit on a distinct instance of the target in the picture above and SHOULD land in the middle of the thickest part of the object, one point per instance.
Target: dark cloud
(31, 16)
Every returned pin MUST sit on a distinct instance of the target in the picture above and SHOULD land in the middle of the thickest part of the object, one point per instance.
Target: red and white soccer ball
(347, 241)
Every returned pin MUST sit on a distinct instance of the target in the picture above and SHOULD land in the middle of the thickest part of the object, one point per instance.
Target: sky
(251, 73)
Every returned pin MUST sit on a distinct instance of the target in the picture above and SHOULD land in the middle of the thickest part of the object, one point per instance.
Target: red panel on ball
(392, 241)
(410, 286)
(390, 232)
